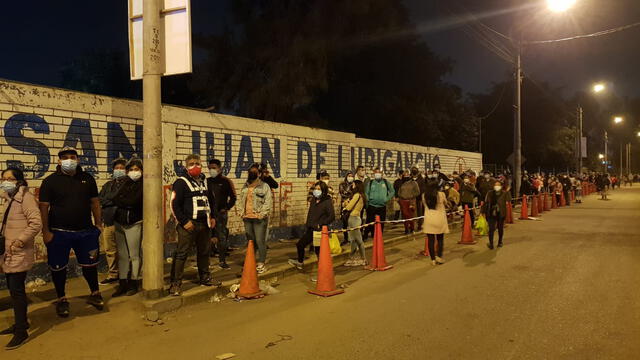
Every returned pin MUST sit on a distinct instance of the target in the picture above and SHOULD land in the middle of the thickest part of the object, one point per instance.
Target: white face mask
(68, 165)
(466, 181)
(497, 188)
(135, 175)
(8, 186)
(349, 179)
(377, 176)
(446, 187)
(213, 172)
(118, 173)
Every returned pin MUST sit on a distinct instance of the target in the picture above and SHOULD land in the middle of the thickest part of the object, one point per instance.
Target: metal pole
(621, 167)
(153, 221)
(579, 143)
(517, 118)
(606, 153)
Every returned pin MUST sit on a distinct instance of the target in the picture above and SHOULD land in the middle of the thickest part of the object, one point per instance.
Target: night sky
(40, 37)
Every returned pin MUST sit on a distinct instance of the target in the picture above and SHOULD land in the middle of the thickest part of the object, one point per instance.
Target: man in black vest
(194, 209)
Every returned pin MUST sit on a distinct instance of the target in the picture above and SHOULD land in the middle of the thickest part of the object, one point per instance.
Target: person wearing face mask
(453, 196)
(396, 201)
(323, 176)
(420, 180)
(224, 192)
(108, 240)
(320, 213)
(128, 229)
(435, 220)
(346, 189)
(485, 184)
(378, 192)
(20, 225)
(407, 193)
(495, 211)
(254, 204)
(193, 206)
(68, 199)
(468, 193)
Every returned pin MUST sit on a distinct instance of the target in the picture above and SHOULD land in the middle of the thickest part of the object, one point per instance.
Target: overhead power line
(596, 34)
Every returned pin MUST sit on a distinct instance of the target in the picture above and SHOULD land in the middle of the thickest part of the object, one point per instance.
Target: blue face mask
(317, 193)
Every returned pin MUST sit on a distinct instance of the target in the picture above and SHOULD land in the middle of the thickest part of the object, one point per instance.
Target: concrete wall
(36, 121)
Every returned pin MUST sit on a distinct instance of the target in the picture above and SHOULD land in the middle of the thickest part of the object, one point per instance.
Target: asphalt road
(564, 287)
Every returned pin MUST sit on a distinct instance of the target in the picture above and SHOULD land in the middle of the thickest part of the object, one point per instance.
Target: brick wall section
(36, 121)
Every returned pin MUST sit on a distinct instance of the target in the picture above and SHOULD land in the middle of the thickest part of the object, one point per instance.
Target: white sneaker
(295, 263)
(349, 262)
(260, 268)
(439, 260)
(434, 263)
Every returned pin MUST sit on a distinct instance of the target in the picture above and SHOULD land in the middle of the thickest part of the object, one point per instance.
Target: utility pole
(517, 119)
(579, 142)
(153, 221)
(621, 167)
(606, 153)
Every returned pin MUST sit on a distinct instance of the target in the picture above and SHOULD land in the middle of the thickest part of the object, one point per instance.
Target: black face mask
(253, 175)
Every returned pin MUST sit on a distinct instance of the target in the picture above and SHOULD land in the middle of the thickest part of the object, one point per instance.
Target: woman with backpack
(495, 211)
(435, 220)
(20, 225)
(353, 207)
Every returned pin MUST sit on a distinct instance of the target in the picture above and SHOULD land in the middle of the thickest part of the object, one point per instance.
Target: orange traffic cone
(534, 206)
(540, 204)
(326, 285)
(426, 247)
(523, 210)
(249, 288)
(563, 202)
(554, 204)
(546, 202)
(573, 195)
(378, 262)
(467, 236)
(509, 218)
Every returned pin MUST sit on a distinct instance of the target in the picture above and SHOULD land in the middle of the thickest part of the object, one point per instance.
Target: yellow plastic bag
(334, 244)
(482, 226)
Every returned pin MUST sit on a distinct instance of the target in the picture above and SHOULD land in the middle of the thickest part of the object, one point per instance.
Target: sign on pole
(175, 23)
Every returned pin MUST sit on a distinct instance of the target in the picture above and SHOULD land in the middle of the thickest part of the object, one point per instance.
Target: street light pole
(517, 119)
(606, 152)
(153, 221)
(579, 142)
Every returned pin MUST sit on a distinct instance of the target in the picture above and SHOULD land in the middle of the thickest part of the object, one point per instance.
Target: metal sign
(175, 20)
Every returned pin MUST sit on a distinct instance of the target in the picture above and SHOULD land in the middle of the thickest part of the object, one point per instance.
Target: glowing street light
(600, 156)
(560, 5)
(618, 119)
(597, 88)
(638, 133)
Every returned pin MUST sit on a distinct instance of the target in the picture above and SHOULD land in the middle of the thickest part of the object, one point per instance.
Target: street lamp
(597, 88)
(600, 156)
(560, 5)
(618, 119)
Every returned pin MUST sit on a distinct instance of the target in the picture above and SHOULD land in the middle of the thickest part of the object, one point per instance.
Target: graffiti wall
(35, 122)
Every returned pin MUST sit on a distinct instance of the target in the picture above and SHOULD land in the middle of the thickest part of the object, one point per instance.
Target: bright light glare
(617, 119)
(600, 156)
(598, 88)
(638, 133)
(560, 5)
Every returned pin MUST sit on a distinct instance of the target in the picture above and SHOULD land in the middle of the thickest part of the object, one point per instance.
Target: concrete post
(153, 223)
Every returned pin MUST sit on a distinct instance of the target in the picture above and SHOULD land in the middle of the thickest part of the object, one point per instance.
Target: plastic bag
(482, 226)
(334, 244)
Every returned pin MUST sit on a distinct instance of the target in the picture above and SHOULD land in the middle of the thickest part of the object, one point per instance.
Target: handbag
(4, 224)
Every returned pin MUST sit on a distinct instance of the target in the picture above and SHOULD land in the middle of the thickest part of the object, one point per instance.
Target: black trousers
(198, 237)
(567, 198)
(372, 211)
(15, 283)
(306, 240)
(431, 239)
(493, 224)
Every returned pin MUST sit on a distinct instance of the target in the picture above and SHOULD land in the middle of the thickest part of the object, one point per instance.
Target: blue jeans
(256, 230)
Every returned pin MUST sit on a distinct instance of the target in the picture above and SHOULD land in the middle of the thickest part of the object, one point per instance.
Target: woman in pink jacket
(21, 223)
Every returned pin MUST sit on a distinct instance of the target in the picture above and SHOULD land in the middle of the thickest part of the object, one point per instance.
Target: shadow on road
(484, 257)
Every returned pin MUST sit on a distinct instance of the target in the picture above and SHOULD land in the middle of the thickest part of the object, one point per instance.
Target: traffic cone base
(326, 285)
(249, 288)
(378, 262)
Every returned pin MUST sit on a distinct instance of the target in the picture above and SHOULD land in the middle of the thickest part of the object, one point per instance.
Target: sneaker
(490, 246)
(17, 340)
(210, 282)
(62, 308)
(134, 287)
(224, 266)
(11, 330)
(440, 260)
(314, 279)
(295, 263)
(108, 281)
(122, 289)
(175, 289)
(350, 262)
(260, 268)
(500, 244)
(434, 263)
(362, 262)
(96, 301)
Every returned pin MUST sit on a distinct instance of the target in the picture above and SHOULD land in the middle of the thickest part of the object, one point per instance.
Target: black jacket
(224, 192)
(497, 202)
(184, 191)
(273, 184)
(320, 213)
(128, 201)
(107, 194)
